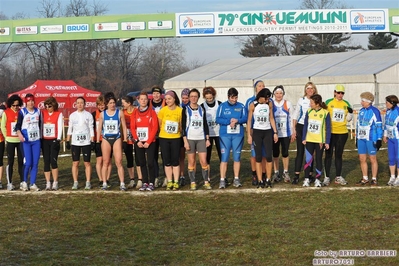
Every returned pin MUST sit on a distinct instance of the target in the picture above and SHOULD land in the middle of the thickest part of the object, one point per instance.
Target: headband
(29, 98)
(170, 93)
(366, 100)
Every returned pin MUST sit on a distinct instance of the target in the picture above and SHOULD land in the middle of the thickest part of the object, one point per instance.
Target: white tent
(376, 71)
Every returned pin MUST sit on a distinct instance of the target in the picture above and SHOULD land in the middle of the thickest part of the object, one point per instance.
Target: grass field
(285, 225)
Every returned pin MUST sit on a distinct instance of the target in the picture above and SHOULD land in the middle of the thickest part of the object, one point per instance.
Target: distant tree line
(102, 65)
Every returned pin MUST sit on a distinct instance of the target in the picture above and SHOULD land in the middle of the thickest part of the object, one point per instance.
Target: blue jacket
(225, 112)
(369, 124)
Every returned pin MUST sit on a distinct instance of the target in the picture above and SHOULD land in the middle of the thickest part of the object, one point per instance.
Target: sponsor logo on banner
(76, 95)
(88, 104)
(4, 31)
(197, 24)
(42, 95)
(61, 105)
(26, 30)
(281, 22)
(106, 27)
(91, 104)
(92, 94)
(60, 94)
(368, 20)
(58, 88)
(160, 25)
(133, 25)
(31, 87)
(51, 29)
(77, 28)
(41, 105)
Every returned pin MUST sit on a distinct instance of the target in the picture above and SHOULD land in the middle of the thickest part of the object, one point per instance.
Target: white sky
(205, 49)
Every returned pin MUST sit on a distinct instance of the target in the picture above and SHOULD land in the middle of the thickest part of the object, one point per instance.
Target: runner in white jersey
(211, 106)
(195, 137)
(258, 85)
(283, 112)
(262, 133)
(81, 135)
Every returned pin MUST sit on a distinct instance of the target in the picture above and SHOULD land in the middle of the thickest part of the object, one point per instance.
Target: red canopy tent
(65, 92)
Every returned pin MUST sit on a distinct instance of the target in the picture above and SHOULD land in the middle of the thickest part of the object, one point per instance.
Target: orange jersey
(11, 121)
(96, 117)
(127, 120)
(50, 124)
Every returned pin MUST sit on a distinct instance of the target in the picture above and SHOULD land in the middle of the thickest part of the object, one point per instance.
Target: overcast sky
(205, 49)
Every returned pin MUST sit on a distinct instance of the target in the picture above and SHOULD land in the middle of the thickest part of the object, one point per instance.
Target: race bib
(82, 137)
(111, 127)
(363, 132)
(211, 123)
(196, 124)
(314, 126)
(390, 130)
(129, 134)
(234, 130)
(33, 134)
(171, 127)
(142, 133)
(49, 130)
(261, 120)
(338, 115)
(13, 130)
(281, 124)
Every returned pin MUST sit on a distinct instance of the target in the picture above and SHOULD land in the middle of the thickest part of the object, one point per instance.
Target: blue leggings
(231, 143)
(31, 160)
(393, 152)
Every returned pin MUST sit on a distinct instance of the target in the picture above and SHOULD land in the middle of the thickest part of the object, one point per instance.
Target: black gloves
(378, 144)
(350, 110)
(124, 145)
(98, 147)
(93, 146)
(68, 145)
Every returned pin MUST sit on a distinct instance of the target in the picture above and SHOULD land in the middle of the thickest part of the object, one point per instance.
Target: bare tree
(321, 42)
(162, 60)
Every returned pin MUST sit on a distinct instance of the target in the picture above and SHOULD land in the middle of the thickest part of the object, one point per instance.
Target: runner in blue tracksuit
(368, 136)
(29, 133)
(231, 116)
(391, 136)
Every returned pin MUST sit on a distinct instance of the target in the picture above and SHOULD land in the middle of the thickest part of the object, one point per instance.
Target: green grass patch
(281, 226)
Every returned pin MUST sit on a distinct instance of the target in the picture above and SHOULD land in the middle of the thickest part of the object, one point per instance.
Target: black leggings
(300, 150)
(285, 144)
(338, 143)
(209, 149)
(263, 141)
(2, 147)
(313, 151)
(129, 155)
(51, 149)
(11, 146)
(170, 149)
(144, 162)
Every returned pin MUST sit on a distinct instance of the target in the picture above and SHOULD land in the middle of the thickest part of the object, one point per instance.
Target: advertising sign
(282, 22)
